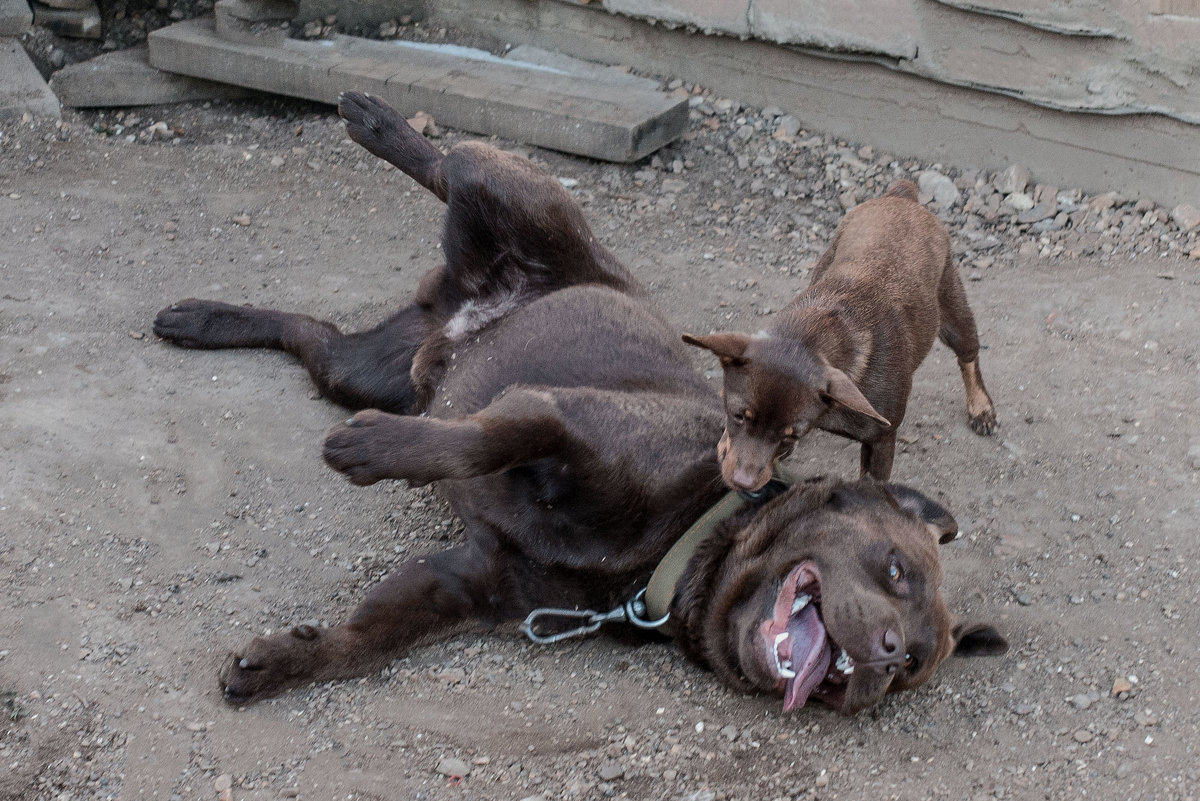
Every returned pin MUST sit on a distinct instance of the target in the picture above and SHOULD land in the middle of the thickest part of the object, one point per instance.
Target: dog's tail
(902, 188)
(385, 133)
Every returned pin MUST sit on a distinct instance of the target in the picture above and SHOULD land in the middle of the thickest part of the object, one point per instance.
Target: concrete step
(15, 17)
(125, 78)
(75, 23)
(462, 88)
(22, 90)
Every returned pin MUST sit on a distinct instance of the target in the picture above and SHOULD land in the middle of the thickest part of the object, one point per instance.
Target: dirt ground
(159, 505)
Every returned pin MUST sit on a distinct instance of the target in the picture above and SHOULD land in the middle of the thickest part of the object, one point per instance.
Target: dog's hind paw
(269, 665)
(984, 423)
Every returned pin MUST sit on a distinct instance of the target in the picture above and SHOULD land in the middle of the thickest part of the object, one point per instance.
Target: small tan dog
(841, 355)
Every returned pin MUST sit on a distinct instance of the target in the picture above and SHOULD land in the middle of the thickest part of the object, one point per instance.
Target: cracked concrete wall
(1106, 56)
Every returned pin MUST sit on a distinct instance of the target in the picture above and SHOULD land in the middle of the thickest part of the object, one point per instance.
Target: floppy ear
(841, 389)
(729, 347)
(938, 520)
(978, 639)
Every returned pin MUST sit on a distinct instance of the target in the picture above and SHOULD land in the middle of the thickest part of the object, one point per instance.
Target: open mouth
(799, 651)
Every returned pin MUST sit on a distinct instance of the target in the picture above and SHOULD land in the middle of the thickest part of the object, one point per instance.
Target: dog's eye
(742, 416)
(895, 572)
(911, 663)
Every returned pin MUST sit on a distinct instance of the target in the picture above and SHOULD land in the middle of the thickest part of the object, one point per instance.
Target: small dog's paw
(355, 448)
(195, 323)
(269, 665)
(984, 423)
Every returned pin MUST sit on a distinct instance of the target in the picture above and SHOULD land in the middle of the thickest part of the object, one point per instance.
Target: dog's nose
(889, 651)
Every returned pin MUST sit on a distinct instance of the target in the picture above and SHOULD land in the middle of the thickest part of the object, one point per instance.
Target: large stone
(125, 78)
(15, 17)
(22, 90)
(74, 23)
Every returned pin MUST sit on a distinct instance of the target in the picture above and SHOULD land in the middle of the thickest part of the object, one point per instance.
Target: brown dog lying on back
(841, 356)
(532, 379)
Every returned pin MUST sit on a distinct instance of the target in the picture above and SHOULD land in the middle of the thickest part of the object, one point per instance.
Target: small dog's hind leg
(959, 334)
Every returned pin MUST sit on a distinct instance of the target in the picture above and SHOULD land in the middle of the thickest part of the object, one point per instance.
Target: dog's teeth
(800, 602)
(786, 672)
(780, 637)
(845, 664)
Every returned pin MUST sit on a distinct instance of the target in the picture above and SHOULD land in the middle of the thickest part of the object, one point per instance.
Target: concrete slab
(23, 90)
(1142, 155)
(76, 23)
(887, 27)
(15, 17)
(125, 78)
(462, 88)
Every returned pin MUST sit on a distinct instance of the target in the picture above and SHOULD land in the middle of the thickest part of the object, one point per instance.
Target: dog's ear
(729, 346)
(938, 520)
(978, 639)
(840, 389)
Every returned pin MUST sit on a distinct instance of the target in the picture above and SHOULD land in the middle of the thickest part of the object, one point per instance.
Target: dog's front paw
(367, 447)
(269, 665)
(195, 323)
(984, 423)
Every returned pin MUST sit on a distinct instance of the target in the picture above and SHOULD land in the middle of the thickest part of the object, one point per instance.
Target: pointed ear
(938, 520)
(842, 390)
(729, 347)
(978, 639)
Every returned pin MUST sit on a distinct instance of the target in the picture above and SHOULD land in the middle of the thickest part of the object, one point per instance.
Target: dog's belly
(584, 336)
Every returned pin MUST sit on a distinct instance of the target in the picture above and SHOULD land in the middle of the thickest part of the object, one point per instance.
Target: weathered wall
(1119, 57)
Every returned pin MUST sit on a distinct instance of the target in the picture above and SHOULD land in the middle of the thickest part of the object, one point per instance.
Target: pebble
(1081, 701)
(610, 771)
(1012, 179)
(453, 766)
(1121, 686)
(223, 782)
(933, 184)
(1193, 455)
(1186, 216)
(1017, 202)
(242, 220)
(1083, 736)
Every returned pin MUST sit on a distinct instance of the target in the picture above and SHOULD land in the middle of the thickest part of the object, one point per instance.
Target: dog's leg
(363, 370)
(959, 334)
(516, 429)
(510, 229)
(875, 458)
(419, 600)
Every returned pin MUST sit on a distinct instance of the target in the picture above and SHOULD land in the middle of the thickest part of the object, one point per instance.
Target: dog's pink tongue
(811, 655)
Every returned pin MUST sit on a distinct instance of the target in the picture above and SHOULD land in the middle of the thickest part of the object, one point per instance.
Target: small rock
(1122, 685)
(1013, 179)
(1145, 718)
(1016, 203)
(788, 127)
(730, 733)
(1081, 701)
(610, 771)
(939, 187)
(453, 766)
(1103, 202)
(1186, 216)
(848, 199)
(1024, 708)
(1038, 213)
(242, 220)
(1022, 597)
(1083, 736)
(223, 782)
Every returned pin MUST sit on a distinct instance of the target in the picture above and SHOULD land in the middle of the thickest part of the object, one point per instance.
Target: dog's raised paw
(354, 448)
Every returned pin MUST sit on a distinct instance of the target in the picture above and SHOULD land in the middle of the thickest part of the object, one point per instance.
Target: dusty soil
(160, 505)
